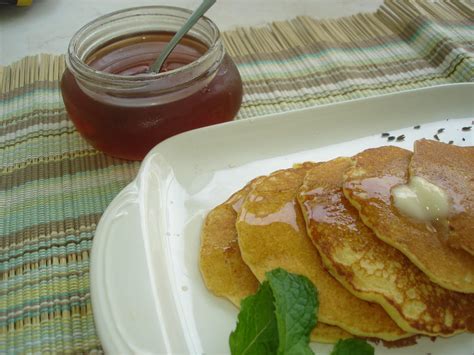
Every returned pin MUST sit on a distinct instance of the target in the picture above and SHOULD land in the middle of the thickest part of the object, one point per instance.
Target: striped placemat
(54, 186)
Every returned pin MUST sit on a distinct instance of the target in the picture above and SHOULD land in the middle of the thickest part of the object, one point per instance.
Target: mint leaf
(296, 303)
(256, 331)
(352, 347)
(278, 319)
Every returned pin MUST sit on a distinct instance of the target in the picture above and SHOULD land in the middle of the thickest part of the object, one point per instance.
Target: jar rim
(74, 61)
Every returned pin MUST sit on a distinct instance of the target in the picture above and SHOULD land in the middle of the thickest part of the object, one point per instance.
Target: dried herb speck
(464, 139)
(467, 128)
(401, 138)
(385, 134)
(417, 126)
(391, 138)
(450, 142)
(436, 137)
(441, 130)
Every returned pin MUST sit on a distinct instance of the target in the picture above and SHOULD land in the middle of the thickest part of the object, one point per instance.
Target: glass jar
(125, 113)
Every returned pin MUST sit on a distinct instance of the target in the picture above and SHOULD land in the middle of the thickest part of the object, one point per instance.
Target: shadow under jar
(123, 110)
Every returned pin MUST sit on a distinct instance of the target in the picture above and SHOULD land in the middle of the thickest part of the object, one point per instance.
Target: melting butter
(421, 200)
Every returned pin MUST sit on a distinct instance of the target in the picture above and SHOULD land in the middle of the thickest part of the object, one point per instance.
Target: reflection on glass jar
(122, 109)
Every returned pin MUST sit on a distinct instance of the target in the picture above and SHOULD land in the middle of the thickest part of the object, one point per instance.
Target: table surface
(48, 25)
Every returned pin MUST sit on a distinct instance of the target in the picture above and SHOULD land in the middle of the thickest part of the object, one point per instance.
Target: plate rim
(106, 335)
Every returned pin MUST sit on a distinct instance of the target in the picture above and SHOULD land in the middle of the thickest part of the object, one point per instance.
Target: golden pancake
(223, 270)
(368, 184)
(328, 334)
(451, 168)
(272, 233)
(370, 268)
(222, 267)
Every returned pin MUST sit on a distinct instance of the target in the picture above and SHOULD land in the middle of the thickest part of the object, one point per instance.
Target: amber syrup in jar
(130, 128)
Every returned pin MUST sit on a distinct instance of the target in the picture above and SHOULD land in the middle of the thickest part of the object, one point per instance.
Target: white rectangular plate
(147, 291)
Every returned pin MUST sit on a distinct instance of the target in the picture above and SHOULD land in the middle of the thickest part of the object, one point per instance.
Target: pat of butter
(421, 200)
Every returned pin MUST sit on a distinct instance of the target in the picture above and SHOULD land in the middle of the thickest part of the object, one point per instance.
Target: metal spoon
(195, 16)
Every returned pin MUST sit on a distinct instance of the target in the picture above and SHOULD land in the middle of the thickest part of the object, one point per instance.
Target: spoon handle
(195, 16)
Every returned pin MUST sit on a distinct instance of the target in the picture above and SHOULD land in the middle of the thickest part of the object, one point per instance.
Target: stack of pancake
(380, 273)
